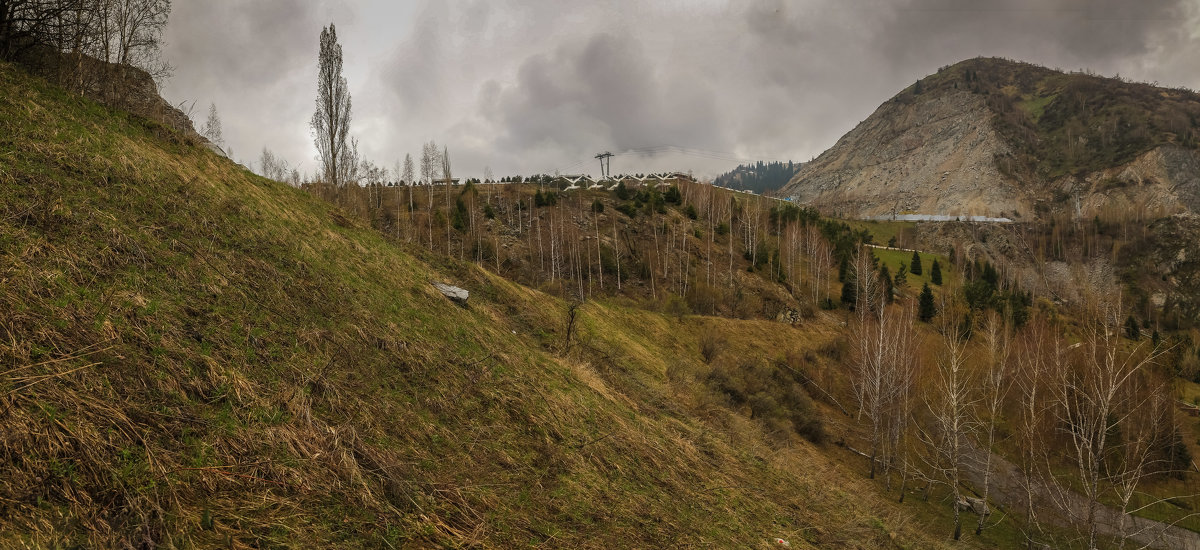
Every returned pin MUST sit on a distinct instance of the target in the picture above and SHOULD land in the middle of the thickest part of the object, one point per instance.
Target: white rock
(452, 292)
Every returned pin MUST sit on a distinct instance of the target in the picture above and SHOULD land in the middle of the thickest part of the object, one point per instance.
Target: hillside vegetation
(192, 355)
(1070, 123)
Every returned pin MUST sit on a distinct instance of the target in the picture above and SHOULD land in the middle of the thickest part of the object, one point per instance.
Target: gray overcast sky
(542, 85)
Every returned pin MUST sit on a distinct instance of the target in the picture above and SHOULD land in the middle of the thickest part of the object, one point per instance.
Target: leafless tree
(430, 161)
(884, 364)
(212, 127)
(868, 336)
(996, 382)
(127, 32)
(446, 182)
(331, 120)
(617, 254)
(409, 179)
(820, 259)
(272, 166)
(949, 403)
(1100, 398)
(1037, 352)
(137, 27)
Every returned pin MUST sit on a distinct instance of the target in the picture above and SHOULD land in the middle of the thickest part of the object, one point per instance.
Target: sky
(542, 86)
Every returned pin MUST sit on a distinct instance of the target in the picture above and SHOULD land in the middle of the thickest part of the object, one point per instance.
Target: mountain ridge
(996, 137)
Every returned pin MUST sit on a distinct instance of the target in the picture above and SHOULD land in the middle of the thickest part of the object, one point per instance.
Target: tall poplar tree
(331, 121)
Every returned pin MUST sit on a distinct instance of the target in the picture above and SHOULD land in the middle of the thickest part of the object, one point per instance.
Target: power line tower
(605, 170)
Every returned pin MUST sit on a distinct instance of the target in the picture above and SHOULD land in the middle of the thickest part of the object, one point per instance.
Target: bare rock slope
(991, 137)
(928, 157)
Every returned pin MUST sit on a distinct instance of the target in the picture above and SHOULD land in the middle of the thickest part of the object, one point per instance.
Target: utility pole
(605, 156)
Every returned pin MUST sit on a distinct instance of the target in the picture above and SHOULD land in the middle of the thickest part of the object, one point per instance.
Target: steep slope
(195, 356)
(934, 156)
(999, 138)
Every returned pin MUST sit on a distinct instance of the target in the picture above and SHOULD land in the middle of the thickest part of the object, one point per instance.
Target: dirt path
(1008, 489)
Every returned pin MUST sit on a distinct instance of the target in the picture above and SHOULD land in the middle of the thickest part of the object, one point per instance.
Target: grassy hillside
(193, 356)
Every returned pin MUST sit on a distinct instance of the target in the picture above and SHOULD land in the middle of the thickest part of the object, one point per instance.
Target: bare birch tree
(996, 381)
(948, 400)
(1098, 397)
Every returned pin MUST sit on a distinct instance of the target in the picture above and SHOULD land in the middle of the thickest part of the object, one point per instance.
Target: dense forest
(759, 177)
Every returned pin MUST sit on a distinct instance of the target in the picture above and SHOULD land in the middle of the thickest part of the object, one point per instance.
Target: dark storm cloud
(603, 90)
(249, 43)
(1069, 31)
(526, 86)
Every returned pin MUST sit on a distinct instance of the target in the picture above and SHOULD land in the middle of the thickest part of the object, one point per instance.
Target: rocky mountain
(993, 137)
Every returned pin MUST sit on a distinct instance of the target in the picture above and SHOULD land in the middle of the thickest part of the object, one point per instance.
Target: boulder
(452, 292)
(976, 506)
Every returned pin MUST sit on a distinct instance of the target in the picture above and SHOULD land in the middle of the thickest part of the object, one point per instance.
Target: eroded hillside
(999, 138)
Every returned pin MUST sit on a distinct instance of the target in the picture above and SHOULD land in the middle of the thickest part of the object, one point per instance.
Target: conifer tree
(849, 296)
(1132, 331)
(935, 273)
(885, 278)
(926, 308)
(901, 279)
(915, 266)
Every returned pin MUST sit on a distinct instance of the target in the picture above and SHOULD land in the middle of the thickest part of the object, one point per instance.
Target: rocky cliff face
(1163, 181)
(998, 138)
(933, 156)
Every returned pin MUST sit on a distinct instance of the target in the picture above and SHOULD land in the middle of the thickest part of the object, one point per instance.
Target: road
(1008, 489)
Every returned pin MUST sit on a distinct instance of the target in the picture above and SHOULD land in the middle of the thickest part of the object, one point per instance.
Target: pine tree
(623, 192)
(926, 308)
(849, 292)
(935, 273)
(915, 266)
(1132, 331)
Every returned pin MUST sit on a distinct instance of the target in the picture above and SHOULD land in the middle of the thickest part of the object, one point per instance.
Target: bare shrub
(711, 344)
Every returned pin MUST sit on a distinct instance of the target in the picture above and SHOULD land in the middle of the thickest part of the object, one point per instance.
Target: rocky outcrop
(119, 86)
(931, 156)
(1162, 182)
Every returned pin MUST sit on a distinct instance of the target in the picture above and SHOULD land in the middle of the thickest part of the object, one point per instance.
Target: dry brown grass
(196, 357)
